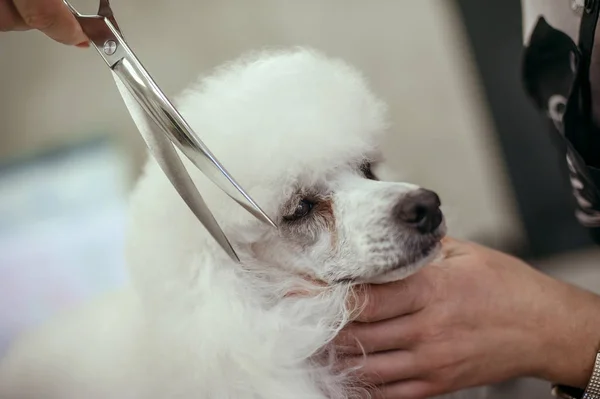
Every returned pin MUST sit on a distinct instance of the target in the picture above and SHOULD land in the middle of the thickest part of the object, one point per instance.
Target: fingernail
(85, 44)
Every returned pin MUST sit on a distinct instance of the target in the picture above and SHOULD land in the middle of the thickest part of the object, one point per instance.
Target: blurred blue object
(62, 217)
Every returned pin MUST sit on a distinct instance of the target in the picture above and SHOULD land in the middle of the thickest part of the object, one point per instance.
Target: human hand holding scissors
(51, 17)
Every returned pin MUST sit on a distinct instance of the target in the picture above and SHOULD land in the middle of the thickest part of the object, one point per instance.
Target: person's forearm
(569, 335)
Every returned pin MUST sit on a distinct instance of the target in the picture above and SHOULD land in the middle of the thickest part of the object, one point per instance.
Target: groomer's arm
(477, 317)
(49, 16)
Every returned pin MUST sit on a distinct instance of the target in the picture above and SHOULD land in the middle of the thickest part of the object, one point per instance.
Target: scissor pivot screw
(110, 46)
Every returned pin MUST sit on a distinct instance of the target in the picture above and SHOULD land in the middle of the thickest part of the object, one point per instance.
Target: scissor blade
(203, 159)
(164, 114)
(168, 160)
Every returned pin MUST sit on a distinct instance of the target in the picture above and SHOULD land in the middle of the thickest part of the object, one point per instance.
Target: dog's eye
(302, 209)
(366, 169)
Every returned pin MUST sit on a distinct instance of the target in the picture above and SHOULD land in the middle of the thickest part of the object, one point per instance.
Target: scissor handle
(104, 10)
(103, 31)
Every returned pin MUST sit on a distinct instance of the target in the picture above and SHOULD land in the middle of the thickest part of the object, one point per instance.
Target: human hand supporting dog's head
(474, 318)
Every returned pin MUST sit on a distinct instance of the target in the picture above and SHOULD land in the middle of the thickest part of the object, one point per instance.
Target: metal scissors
(161, 125)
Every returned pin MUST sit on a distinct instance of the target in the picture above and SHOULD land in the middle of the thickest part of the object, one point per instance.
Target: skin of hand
(52, 17)
(473, 318)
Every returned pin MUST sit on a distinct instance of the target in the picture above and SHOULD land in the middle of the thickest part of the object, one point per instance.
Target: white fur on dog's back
(90, 352)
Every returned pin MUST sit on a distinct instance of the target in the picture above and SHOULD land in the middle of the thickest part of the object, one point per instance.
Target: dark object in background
(534, 159)
(557, 77)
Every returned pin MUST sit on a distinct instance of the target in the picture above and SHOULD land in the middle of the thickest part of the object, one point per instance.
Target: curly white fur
(289, 126)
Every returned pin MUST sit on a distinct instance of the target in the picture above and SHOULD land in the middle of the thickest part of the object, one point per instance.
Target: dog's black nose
(421, 210)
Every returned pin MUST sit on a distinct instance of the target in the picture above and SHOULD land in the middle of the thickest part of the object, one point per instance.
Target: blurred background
(450, 71)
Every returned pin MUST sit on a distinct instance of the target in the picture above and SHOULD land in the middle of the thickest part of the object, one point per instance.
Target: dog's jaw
(392, 273)
(405, 271)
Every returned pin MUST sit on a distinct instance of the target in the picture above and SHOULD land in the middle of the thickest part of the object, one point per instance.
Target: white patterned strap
(592, 391)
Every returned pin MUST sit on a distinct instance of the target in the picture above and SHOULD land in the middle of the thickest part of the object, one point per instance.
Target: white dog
(301, 133)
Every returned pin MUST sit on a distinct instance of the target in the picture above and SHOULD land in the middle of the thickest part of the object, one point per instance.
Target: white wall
(414, 52)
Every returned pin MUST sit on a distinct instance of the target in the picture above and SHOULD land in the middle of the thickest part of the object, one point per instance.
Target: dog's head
(302, 133)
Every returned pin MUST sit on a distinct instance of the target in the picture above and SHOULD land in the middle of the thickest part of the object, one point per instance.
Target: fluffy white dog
(301, 133)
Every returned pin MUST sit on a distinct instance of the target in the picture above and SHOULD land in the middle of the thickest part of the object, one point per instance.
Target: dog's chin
(402, 272)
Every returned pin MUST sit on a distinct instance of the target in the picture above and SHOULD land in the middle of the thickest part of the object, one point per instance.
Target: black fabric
(588, 142)
(565, 392)
(556, 77)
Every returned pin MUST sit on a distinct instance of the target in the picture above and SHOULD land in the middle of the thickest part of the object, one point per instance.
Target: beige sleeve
(558, 13)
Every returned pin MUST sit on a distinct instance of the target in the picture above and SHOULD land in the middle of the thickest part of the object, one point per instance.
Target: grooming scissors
(161, 125)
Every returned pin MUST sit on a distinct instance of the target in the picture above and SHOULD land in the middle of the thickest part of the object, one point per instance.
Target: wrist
(569, 336)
